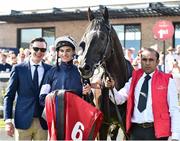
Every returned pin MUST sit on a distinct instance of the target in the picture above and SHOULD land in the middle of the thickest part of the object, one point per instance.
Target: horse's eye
(82, 45)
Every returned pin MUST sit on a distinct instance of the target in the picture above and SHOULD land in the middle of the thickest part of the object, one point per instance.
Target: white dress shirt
(40, 70)
(147, 115)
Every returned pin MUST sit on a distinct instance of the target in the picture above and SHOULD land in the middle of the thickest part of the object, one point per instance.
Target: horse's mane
(116, 65)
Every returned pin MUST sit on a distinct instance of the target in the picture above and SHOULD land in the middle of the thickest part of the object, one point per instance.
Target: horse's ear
(106, 15)
(90, 15)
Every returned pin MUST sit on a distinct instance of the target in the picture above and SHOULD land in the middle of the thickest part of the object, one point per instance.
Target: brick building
(133, 23)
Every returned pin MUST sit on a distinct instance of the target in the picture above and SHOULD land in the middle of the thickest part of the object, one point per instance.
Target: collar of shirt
(151, 74)
(40, 70)
(32, 63)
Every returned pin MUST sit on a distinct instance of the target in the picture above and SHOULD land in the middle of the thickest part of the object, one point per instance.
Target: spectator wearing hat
(65, 74)
(175, 61)
(176, 67)
(169, 59)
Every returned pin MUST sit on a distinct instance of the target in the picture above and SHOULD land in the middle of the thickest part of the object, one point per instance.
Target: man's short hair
(39, 39)
(152, 50)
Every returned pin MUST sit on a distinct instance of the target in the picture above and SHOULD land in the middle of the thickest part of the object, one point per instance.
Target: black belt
(144, 125)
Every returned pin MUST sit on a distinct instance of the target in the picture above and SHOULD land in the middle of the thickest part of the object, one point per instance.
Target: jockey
(65, 74)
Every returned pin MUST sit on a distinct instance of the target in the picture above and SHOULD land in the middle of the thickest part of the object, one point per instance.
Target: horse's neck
(116, 67)
(113, 75)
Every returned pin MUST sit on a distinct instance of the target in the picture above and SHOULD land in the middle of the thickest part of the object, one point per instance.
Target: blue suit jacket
(21, 82)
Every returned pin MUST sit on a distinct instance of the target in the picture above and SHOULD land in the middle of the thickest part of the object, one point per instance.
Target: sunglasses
(36, 49)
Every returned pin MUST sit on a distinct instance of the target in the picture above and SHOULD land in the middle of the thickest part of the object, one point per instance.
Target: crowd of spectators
(172, 58)
(9, 58)
(168, 64)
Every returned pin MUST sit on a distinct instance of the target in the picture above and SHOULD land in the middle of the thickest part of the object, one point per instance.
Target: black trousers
(140, 133)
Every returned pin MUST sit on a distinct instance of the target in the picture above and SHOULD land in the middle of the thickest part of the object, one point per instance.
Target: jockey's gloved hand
(86, 81)
(86, 89)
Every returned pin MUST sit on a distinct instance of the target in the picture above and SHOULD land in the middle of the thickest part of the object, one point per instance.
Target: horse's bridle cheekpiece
(108, 47)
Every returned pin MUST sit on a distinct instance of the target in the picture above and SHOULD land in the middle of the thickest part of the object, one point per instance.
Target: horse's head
(95, 43)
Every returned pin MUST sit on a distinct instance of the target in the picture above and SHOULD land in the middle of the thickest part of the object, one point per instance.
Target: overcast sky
(8, 5)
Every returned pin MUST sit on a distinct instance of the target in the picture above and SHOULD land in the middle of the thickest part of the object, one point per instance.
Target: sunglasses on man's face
(36, 49)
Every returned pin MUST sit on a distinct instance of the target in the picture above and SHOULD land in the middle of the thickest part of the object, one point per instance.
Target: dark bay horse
(101, 47)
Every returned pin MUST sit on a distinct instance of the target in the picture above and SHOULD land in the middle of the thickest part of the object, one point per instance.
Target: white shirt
(147, 115)
(40, 70)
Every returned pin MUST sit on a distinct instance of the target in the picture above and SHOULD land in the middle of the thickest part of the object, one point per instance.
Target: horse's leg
(97, 94)
(114, 132)
(103, 132)
(104, 106)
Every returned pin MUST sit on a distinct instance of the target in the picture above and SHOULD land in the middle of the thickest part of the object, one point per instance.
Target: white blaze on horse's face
(89, 37)
(85, 68)
(95, 43)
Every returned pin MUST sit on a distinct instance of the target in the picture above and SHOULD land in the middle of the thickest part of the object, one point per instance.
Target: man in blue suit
(25, 82)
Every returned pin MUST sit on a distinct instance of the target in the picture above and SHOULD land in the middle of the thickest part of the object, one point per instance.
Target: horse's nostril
(86, 71)
(87, 67)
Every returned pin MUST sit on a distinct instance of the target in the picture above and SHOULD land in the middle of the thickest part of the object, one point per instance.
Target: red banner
(82, 120)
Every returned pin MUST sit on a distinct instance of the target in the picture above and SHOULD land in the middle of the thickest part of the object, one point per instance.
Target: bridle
(109, 47)
(108, 50)
(107, 55)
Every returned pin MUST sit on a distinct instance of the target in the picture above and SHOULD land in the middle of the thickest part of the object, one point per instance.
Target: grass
(2, 124)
